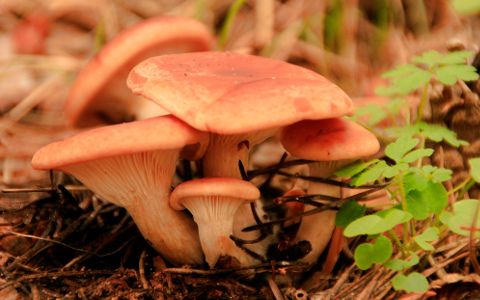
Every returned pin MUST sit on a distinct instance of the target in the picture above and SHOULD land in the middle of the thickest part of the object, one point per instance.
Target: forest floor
(59, 241)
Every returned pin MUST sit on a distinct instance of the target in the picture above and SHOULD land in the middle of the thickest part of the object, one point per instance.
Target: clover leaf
(378, 252)
(413, 283)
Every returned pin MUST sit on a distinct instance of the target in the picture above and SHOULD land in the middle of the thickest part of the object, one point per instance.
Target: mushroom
(99, 94)
(240, 99)
(213, 203)
(333, 143)
(132, 165)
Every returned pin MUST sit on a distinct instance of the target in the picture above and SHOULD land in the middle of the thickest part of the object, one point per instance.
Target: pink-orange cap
(160, 133)
(99, 94)
(328, 140)
(214, 186)
(231, 93)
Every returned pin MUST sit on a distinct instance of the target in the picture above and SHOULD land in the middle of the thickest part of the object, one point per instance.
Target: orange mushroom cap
(328, 140)
(232, 93)
(232, 188)
(99, 94)
(160, 133)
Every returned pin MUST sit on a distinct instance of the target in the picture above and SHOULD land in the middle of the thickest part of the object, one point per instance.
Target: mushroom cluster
(220, 105)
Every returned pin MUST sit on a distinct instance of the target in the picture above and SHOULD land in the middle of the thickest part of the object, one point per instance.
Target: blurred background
(45, 43)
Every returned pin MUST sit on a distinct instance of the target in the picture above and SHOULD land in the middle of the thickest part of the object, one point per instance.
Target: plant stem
(376, 133)
(466, 188)
(398, 242)
(404, 208)
(463, 184)
(199, 9)
(422, 103)
(422, 146)
(382, 205)
(225, 30)
(412, 228)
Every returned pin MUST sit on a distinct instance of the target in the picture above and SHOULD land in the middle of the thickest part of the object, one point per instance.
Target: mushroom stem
(324, 222)
(223, 154)
(172, 233)
(225, 151)
(324, 169)
(215, 233)
(221, 160)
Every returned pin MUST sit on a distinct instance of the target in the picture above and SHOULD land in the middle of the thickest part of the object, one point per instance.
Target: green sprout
(447, 68)
(416, 190)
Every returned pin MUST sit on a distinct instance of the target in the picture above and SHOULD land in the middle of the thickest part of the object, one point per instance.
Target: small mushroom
(333, 143)
(213, 203)
(99, 94)
(132, 165)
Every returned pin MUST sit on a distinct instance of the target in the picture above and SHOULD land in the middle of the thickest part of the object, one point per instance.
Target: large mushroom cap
(230, 93)
(328, 140)
(160, 133)
(100, 95)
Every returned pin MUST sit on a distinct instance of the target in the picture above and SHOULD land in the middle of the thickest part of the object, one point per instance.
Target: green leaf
(387, 91)
(438, 133)
(463, 217)
(428, 169)
(373, 111)
(448, 74)
(413, 81)
(433, 132)
(400, 147)
(466, 8)
(414, 182)
(441, 175)
(370, 174)
(455, 58)
(368, 254)
(395, 105)
(398, 264)
(416, 154)
(400, 71)
(414, 283)
(405, 130)
(354, 168)
(429, 235)
(364, 225)
(428, 58)
(348, 213)
(475, 168)
(407, 78)
(379, 222)
(395, 170)
(433, 199)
